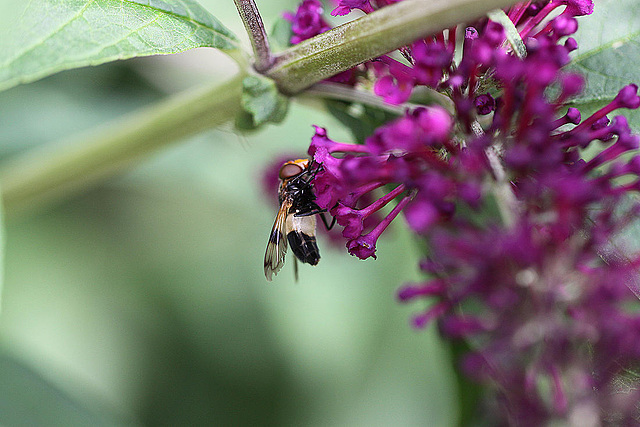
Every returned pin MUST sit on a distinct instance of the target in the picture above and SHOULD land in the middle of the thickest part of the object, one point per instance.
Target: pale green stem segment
(346, 93)
(340, 92)
(370, 36)
(57, 170)
(513, 36)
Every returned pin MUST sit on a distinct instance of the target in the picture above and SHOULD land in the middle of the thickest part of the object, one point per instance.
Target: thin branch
(346, 93)
(252, 21)
(57, 170)
(370, 36)
(507, 202)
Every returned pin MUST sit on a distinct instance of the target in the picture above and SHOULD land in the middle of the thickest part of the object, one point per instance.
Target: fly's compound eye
(290, 170)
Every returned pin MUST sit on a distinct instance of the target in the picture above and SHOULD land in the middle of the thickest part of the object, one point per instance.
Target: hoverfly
(296, 221)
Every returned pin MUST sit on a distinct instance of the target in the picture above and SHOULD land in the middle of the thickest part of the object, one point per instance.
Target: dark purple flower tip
(471, 193)
(577, 7)
(340, 11)
(307, 21)
(347, 6)
(328, 189)
(573, 115)
(394, 90)
(564, 25)
(456, 81)
(628, 141)
(430, 266)
(572, 84)
(421, 215)
(534, 8)
(484, 104)
(421, 320)
(363, 247)
(474, 365)
(419, 129)
(320, 147)
(431, 54)
(620, 125)
(470, 33)
(518, 157)
(507, 68)
(633, 166)
(436, 122)
(460, 327)
(320, 140)
(542, 74)
(628, 97)
(363, 170)
(493, 34)
(415, 290)
(480, 53)
(348, 77)
(601, 123)
(351, 219)
(571, 44)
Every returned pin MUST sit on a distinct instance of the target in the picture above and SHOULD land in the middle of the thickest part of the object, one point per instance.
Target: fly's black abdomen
(304, 247)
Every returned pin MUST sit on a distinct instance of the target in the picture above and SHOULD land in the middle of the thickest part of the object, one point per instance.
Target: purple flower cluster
(519, 222)
(432, 61)
(406, 154)
(307, 22)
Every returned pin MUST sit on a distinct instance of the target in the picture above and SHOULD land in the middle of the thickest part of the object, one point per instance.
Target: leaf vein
(189, 18)
(609, 45)
(48, 36)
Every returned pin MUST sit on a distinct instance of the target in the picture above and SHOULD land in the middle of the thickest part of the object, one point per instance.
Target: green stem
(370, 36)
(55, 171)
(248, 11)
(342, 92)
(346, 93)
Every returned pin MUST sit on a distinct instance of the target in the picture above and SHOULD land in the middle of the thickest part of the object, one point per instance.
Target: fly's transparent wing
(277, 245)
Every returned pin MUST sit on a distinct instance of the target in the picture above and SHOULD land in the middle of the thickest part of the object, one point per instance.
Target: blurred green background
(143, 301)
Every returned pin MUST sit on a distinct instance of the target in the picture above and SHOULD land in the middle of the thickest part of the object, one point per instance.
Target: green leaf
(56, 35)
(360, 119)
(27, 399)
(625, 245)
(2, 247)
(280, 36)
(608, 53)
(262, 101)
(469, 393)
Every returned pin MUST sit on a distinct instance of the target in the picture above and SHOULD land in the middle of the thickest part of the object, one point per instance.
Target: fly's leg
(324, 221)
(310, 209)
